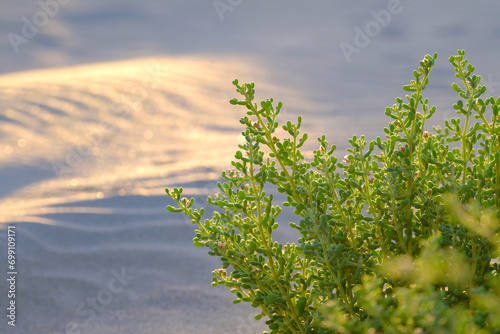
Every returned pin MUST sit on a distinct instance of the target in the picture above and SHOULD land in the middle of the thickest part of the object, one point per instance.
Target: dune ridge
(86, 153)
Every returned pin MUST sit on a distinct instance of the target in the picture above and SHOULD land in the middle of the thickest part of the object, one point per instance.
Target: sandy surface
(108, 103)
(87, 152)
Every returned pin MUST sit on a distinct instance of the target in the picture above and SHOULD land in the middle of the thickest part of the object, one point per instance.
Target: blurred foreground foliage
(401, 236)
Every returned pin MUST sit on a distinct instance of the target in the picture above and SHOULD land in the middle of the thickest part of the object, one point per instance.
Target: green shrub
(401, 236)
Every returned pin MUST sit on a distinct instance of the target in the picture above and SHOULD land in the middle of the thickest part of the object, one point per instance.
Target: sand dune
(126, 128)
(86, 153)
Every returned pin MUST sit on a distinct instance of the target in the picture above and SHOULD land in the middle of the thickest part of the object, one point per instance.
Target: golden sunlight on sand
(118, 129)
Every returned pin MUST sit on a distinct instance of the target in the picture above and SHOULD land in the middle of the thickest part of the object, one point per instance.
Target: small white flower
(371, 177)
(346, 160)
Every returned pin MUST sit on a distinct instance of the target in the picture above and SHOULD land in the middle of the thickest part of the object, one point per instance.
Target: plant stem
(268, 245)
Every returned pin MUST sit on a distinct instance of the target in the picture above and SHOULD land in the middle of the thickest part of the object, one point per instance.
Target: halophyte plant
(400, 236)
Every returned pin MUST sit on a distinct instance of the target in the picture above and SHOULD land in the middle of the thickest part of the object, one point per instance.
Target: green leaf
(173, 209)
(242, 195)
(301, 306)
(456, 88)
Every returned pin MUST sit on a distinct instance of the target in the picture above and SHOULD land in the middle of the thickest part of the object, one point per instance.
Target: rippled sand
(85, 155)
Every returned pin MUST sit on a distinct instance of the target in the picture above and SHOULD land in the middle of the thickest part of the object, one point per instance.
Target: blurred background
(302, 40)
(105, 103)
